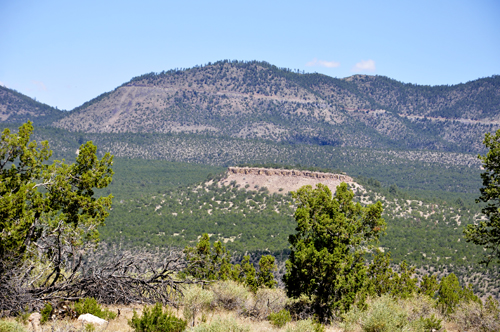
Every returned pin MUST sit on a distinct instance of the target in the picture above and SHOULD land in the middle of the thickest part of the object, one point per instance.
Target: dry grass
(120, 324)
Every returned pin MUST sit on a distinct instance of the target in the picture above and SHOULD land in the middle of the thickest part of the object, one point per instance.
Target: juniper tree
(486, 233)
(327, 251)
(48, 211)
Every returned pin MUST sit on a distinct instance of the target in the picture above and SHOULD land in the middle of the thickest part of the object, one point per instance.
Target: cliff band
(281, 180)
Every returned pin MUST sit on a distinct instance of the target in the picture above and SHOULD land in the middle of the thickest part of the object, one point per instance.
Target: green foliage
(327, 251)
(50, 202)
(6, 326)
(492, 306)
(431, 323)
(135, 178)
(89, 328)
(155, 319)
(450, 294)
(207, 262)
(385, 319)
(266, 267)
(23, 316)
(213, 263)
(91, 306)
(429, 285)
(387, 314)
(380, 274)
(404, 285)
(487, 233)
(46, 313)
(280, 318)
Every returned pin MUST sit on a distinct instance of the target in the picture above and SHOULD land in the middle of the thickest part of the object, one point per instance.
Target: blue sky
(65, 53)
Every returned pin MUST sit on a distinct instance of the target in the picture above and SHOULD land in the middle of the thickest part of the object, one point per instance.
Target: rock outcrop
(281, 180)
(288, 173)
(91, 319)
(34, 319)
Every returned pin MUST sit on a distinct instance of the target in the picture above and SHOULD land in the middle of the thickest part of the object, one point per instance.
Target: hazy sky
(64, 53)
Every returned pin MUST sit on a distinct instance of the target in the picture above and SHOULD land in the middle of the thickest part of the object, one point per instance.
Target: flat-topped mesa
(289, 173)
(281, 181)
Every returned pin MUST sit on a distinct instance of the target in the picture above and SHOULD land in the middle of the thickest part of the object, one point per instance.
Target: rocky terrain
(281, 181)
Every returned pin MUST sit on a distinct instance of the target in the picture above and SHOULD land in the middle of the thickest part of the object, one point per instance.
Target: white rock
(35, 321)
(88, 318)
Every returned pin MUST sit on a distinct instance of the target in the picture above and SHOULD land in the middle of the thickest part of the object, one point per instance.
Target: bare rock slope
(281, 180)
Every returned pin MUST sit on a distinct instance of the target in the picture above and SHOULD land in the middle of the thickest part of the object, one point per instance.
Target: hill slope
(258, 100)
(18, 108)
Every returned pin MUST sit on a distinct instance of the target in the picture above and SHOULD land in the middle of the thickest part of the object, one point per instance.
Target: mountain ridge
(258, 100)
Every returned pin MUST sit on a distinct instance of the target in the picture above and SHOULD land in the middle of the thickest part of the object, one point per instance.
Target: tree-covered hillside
(425, 228)
(258, 100)
(18, 108)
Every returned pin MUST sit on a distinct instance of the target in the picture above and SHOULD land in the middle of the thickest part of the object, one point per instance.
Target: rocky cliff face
(281, 180)
(288, 173)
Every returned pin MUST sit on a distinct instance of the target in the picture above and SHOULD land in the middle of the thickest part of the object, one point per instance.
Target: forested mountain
(251, 100)
(258, 100)
(18, 108)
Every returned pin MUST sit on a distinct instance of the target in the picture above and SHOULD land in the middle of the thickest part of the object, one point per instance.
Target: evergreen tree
(487, 232)
(266, 267)
(48, 211)
(327, 252)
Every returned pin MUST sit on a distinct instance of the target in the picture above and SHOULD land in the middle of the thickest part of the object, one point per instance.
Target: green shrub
(90, 306)
(156, 320)
(385, 313)
(382, 315)
(6, 326)
(430, 323)
(46, 313)
(221, 325)
(265, 276)
(307, 325)
(229, 294)
(280, 318)
(385, 319)
(89, 328)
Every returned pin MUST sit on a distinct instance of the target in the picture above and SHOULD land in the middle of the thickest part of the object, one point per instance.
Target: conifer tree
(48, 211)
(327, 251)
(487, 232)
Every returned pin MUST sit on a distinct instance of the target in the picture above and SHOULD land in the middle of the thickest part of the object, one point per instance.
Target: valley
(174, 135)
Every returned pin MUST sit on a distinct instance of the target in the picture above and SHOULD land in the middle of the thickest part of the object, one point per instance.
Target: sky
(64, 53)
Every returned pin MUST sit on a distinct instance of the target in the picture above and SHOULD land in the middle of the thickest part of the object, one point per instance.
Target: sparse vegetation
(90, 306)
(6, 326)
(422, 276)
(156, 319)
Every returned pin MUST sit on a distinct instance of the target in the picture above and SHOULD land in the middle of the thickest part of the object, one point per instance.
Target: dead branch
(138, 277)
